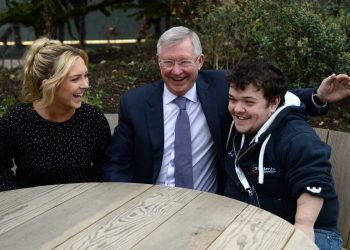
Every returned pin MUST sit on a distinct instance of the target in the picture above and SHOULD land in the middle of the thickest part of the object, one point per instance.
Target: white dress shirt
(203, 150)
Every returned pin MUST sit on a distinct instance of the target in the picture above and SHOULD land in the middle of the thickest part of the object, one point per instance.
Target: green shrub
(305, 47)
(223, 30)
(94, 98)
(293, 33)
(6, 104)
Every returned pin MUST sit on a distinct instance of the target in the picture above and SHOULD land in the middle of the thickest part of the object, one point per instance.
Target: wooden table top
(138, 216)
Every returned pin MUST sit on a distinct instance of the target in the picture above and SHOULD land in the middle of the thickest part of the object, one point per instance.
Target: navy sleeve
(305, 96)
(119, 153)
(308, 167)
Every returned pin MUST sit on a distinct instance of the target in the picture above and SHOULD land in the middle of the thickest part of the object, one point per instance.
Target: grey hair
(175, 35)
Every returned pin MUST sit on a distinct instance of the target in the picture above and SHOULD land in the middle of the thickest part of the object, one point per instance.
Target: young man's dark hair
(263, 74)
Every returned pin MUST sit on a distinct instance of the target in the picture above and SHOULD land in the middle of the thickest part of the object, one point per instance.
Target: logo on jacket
(314, 190)
(267, 170)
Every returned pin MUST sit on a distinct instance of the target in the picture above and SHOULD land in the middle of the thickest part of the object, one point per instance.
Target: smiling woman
(52, 136)
(68, 94)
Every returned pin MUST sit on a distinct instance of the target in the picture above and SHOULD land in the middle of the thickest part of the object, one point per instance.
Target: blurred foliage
(44, 15)
(5, 104)
(151, 9)
(305, 47)
(306, 43)
(94, 98)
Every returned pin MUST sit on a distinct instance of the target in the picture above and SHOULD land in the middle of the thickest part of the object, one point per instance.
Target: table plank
(25, 195)
(196, 225)
(255, 229)
(19, 206)
(56, 225)
(298, 240)
(128, 225)
(141, 216)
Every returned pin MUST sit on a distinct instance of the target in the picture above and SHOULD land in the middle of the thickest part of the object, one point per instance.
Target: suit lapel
(155, 123)
(208, 98)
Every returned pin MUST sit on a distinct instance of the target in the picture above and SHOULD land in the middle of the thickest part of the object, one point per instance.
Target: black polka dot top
(47, 152)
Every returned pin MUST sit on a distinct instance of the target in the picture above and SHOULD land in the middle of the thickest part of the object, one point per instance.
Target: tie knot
(180, 102)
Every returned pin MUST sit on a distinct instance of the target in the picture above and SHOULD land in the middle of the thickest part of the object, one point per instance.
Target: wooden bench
(340, 143)
(112, 120)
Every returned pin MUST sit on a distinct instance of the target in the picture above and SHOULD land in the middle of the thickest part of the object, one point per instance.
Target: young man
(274, 159)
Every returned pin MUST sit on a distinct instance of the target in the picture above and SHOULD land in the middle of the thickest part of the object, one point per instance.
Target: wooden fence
(340, 143)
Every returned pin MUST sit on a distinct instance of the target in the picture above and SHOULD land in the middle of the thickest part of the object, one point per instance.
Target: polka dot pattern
(50, 153)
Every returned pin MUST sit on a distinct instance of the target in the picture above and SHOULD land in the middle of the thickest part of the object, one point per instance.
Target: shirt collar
(191, 94)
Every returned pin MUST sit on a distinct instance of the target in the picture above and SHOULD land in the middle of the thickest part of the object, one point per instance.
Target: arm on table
(308, 208)
(308, 176)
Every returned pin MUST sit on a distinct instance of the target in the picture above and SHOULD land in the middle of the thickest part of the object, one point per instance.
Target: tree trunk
(43, 25)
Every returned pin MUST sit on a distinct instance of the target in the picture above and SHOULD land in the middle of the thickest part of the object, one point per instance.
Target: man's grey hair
(175, 35)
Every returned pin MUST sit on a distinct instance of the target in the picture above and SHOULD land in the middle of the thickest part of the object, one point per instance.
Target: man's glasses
(169, 64)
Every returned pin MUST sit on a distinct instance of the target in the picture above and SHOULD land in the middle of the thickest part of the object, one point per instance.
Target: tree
(306, 46)
(42, 15)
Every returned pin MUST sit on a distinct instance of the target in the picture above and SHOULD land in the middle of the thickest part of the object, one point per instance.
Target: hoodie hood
(264, 132)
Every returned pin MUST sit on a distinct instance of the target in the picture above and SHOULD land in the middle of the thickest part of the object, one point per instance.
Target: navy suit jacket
(135, 152)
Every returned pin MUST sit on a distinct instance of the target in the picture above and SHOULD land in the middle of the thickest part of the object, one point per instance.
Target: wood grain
(138, 216)
(29, 203)
(200, 223)
(299, 241)
(255, 229)
(58, 224)
(125, 227)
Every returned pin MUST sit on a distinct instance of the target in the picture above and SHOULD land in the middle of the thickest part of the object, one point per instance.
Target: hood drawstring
(261, 160)
(290, 100)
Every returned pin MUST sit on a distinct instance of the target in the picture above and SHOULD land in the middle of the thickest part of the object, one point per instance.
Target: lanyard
(240, 173)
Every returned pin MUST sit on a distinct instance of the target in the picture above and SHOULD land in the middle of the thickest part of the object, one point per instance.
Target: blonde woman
(52, 136)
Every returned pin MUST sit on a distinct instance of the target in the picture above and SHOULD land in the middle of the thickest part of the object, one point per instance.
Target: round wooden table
(138, 216)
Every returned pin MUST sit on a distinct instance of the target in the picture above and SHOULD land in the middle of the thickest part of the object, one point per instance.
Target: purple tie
(183, 147)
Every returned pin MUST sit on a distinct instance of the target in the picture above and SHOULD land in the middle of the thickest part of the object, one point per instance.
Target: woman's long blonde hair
(46, 64)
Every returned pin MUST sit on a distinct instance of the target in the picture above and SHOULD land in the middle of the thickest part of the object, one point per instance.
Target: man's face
(250, 109)
(180, 76)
